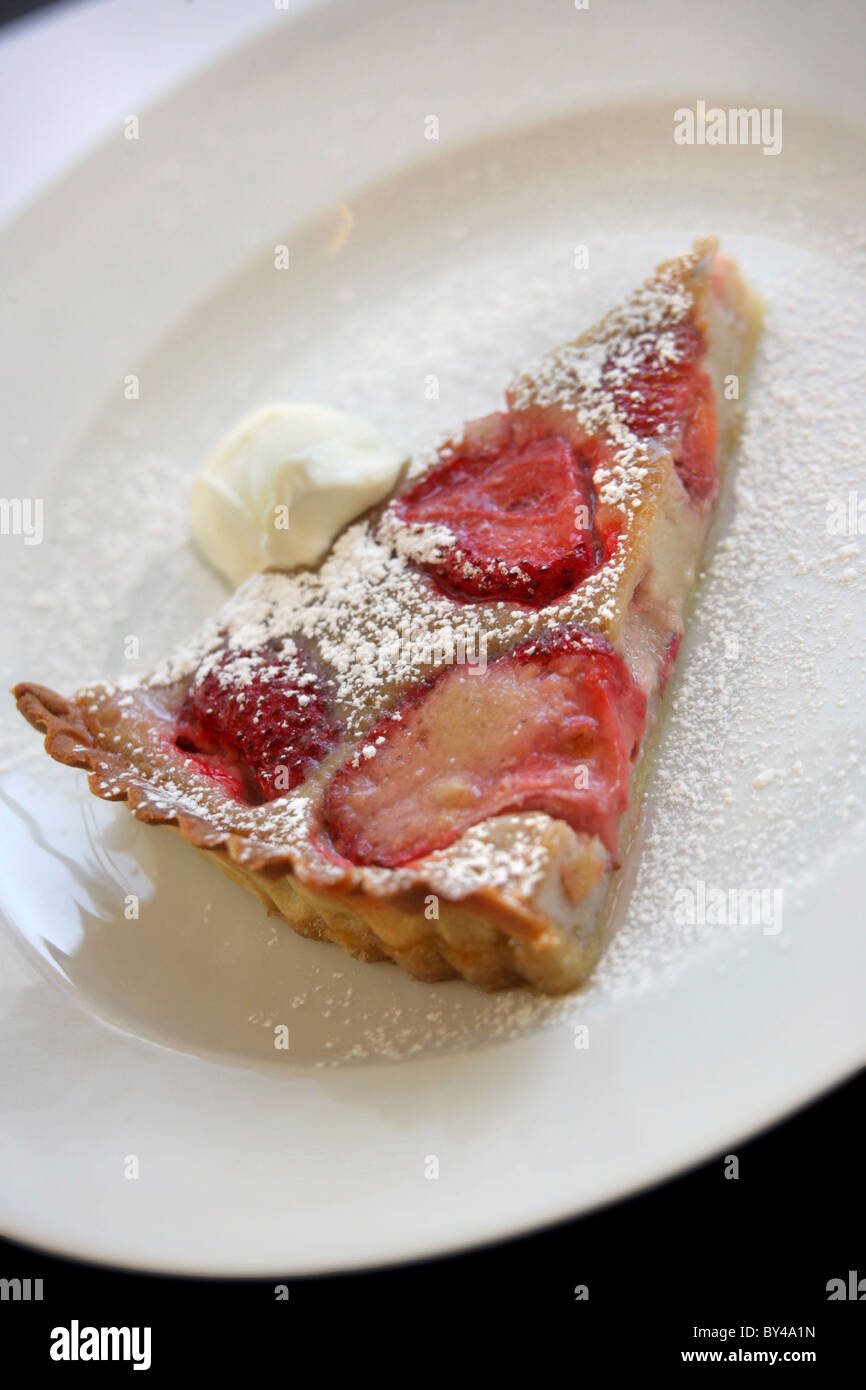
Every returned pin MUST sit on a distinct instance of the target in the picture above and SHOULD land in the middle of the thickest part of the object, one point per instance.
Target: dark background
(15, 9)
(701, 1250)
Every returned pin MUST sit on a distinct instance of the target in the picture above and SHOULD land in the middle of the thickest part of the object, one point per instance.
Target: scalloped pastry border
(488, 938)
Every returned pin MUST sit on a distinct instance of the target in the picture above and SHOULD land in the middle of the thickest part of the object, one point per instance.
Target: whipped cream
(283, 483)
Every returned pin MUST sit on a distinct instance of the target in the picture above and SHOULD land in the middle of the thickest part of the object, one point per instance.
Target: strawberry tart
(429, 746)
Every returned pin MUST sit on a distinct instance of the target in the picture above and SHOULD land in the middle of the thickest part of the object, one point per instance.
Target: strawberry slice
(520, 510)
(552, 726)
(695, 460)
(665, 394)
(257, 723)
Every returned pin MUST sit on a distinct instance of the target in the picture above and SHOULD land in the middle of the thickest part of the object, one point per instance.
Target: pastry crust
(520, 898)
(490, 938)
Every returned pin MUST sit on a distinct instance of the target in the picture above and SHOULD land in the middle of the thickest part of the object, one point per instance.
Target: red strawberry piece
(665, 395)
(520, 509)
(669, 657)
(553, 726)
(257, 723)
(225, 770)
(695, 460)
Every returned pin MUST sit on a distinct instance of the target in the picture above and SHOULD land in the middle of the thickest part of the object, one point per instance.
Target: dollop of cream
(283, 483)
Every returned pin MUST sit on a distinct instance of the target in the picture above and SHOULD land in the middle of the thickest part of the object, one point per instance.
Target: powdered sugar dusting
(516, 867)
(581, 378)
(355, 607)
(426, 544)
(760, 774)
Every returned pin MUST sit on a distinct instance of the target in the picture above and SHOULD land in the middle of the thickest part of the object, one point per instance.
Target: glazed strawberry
(696, 458)
(552, 726)
(225, 770)
(257, 723)
(666, 394)
(519, 508)
(669, 658)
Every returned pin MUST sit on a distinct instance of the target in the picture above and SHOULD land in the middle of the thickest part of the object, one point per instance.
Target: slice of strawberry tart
(428, 746)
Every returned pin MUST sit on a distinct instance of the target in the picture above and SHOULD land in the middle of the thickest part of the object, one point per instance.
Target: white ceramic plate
(410, 259)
